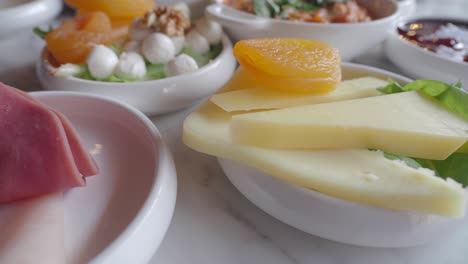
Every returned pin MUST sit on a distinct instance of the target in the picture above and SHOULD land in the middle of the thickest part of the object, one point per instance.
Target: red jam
(446, 38)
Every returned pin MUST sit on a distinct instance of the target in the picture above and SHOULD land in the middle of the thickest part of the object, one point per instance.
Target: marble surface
(214, 223)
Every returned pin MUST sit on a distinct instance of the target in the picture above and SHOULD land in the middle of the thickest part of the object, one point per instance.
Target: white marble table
(213, 223)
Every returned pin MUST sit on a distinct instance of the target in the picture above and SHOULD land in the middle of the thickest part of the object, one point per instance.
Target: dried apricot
(74, 39)
(291, 64)
(119, 11)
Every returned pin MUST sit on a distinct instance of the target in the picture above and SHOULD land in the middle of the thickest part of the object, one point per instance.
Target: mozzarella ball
(68, 69)
(137, 31)
(179, 43)
(101, 62)
(180, 65)
(158, 48)
(198, 43)
(131, 65)
(132, 46)
(211, 30)
(182, 7)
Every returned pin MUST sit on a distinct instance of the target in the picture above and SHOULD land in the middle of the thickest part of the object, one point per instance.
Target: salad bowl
(336, 219)
(352, 39)
(152, 97)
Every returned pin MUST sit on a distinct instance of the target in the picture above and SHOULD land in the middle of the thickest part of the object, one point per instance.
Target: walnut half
(169, 21)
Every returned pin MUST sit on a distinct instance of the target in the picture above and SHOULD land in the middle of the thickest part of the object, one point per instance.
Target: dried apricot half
(119, 11)
(296, 65)
(74, 39)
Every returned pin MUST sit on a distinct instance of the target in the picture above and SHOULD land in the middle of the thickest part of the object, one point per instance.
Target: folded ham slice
(40, 152)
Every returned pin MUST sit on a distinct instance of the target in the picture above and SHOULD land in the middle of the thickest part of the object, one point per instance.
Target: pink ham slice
(83, 160)
(40, 152)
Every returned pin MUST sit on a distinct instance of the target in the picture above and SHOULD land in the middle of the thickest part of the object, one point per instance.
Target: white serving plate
(422, 64)
(156, 96)
(21, 15)
(351, 39)
(122, 215)
(332, 218)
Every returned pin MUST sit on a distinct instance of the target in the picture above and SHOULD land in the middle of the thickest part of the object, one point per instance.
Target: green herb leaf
(86, 74)
(454, 167)
(452, 97)
(155, 71)
(42, 33)
(203, 59)
(116, 48)
(261, 8)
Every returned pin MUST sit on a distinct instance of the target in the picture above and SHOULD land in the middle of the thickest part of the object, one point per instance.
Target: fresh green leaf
(454, 167)
(155, 71)
(452, 97)
(261, 8)
(204, 59)
(392, 87)
(409, 161)
(42, 33)
(117, 48)
(274, 8)
(86, 74)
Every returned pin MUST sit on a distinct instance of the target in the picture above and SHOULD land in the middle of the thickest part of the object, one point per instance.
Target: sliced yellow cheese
(264, 98)
(405, 124)
(360, 176)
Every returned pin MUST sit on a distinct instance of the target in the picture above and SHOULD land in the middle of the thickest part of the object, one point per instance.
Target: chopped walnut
(169, 21)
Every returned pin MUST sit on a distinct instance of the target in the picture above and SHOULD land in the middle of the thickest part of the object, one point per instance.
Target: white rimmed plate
(20, 15)
(336, 219)
(122, 215)
(154, 96)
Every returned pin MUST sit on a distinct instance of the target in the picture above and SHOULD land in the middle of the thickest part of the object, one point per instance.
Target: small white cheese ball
(182, 7)
(198, 43)
(132, 46)
(68, 69)
(137, 31)
(211, 30)
(131, 66)
(179, 43)
(180, 65)
(158, 48)
(101, 62)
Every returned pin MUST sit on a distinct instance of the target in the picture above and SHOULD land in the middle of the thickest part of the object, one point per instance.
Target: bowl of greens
(351, 26)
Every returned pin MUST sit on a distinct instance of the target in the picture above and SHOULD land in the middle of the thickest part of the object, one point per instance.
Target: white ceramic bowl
(422, 64)
(21, 15)
(351, 39)
(151, 97)
(333, 218)
(407, 7)
(123, 213)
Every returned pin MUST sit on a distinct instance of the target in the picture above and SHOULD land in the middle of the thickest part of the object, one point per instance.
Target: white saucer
(122, 215)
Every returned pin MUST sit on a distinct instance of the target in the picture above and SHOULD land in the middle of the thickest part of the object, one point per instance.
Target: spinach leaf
(451, 96)
(42, 33)
(454, 167)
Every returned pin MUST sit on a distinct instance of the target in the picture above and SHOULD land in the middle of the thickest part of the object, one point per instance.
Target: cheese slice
(264, 98)
(405, 124)
(360, 176)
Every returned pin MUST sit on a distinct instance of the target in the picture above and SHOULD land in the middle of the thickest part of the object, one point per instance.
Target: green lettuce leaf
(451, 96)
(454, 167)
(42, 33)
(155, 71)
(203, 59)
